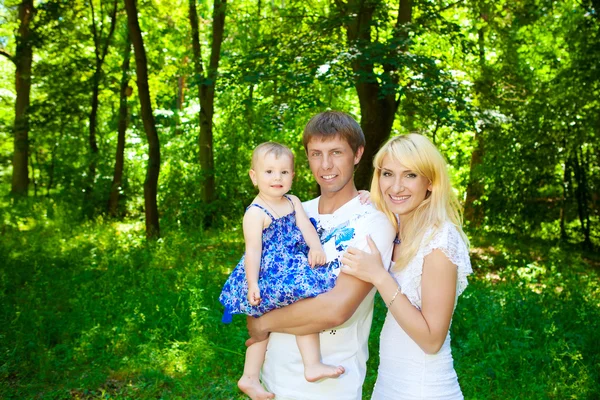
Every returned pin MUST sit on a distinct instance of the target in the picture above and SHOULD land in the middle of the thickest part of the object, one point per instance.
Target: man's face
(332, 162)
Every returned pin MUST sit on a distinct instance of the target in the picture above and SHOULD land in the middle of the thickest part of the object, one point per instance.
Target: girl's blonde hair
(266, 148)
(418, 154)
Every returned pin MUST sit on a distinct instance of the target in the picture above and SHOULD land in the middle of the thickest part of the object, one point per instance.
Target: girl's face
(402, 189)
(273, 176)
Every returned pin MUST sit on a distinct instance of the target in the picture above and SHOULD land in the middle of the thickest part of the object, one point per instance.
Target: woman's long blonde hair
(418, 154)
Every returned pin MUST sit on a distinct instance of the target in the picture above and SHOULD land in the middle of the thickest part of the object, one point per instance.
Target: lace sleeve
(449, 241)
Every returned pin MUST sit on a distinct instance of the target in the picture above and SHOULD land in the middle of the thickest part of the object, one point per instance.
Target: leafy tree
(206, 80)
(23, 59)
(101, 47)
(377, 69)
(153, 170)
(124, 93)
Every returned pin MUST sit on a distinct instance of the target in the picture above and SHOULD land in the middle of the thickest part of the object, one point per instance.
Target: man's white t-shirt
(345, 345)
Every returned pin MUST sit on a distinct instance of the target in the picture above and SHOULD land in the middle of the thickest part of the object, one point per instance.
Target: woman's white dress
(406, 371)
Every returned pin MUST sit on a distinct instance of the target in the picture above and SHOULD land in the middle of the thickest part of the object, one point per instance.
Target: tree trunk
(563, 206)
(23, 60)
(181, 86)
(100, 54)
(206, 92)
(153, 170)
(567, 184)
(88, 205)
(180, 92)
(474, 211)
(115, 189)
(34, 181)
(53, 163)
(377, 119)
(473, 207)
(378, 108)
(581, 193)
(179, 103)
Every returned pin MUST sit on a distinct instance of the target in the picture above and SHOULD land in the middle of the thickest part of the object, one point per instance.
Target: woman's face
(402, 189)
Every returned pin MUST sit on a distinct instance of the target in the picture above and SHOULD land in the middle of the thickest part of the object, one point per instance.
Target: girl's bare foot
(252, 387)
(316, 372)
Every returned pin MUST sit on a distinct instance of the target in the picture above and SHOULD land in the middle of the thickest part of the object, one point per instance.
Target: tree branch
(400, 34)
(425, 18)
(449, 6)
(197, 49)
(113, 22)
(94, 32)
(343, 7)
(404, 14)
(7, 55)
(218, 30)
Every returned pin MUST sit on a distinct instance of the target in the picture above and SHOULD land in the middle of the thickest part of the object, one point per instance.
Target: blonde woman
(428, 272)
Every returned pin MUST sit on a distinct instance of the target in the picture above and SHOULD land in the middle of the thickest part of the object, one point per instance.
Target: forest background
(125, 135)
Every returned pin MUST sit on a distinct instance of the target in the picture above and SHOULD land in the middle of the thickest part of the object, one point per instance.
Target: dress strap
(262, 208)
(290, 200)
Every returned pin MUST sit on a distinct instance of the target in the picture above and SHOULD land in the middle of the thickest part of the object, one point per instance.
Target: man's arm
(327, 310)
(332, 308)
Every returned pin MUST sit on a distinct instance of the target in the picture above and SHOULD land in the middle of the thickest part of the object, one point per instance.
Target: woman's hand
(362, 265)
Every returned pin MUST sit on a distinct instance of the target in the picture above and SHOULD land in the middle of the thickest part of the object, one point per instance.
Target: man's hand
(364, 197)
(256, 335)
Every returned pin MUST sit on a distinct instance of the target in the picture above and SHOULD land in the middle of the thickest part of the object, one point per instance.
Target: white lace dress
(406, 371)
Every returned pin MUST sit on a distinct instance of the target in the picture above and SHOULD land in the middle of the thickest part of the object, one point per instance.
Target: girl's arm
(316, 255)
(254, 220)
(429, 326)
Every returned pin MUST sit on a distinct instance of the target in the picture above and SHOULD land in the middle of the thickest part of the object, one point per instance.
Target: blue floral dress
(284, 277)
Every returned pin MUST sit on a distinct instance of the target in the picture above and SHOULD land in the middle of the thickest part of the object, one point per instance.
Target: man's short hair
(331, 124)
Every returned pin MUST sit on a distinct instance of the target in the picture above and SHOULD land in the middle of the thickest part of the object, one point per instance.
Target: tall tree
(125, 91)
(181, 86)
(153, 169)
(582, 196)
(474, 210)
(377, 95)
(101, 45)
(206, 79)
(22, 59)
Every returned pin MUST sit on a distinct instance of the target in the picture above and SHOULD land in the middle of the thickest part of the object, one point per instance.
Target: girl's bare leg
(314, 369)
(249, 383)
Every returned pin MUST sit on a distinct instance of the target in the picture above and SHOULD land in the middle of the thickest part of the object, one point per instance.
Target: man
(334, 143)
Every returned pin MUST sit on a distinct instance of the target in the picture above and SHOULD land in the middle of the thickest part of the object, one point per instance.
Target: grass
(91, 310)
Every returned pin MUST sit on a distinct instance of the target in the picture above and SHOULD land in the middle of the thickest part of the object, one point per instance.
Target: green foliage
(92, 310)
(520, 78)
(526, 328)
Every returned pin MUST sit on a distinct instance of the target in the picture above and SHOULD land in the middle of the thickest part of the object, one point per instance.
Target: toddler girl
(279, 265)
